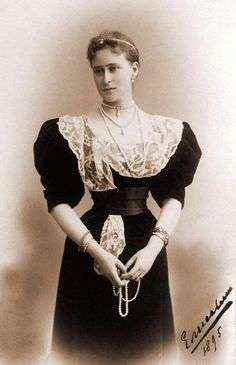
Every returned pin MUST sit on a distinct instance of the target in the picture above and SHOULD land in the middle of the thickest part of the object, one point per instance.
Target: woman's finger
(116, 281)
(130, 262)
(138, 275)
(129, 275)
(121, 266)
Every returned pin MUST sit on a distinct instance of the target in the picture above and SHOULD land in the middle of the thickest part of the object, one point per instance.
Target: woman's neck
(120, 104)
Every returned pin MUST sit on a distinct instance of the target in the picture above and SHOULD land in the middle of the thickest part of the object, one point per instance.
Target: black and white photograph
(118, 212)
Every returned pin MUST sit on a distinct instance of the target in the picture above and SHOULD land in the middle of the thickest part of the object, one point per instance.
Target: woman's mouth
(109, 89)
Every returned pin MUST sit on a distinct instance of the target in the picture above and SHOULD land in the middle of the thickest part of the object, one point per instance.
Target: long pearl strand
(125, 299)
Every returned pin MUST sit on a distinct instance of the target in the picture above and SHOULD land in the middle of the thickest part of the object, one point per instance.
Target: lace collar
(96, 158)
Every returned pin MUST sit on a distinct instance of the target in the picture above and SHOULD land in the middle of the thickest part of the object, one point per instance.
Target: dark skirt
(87, 320)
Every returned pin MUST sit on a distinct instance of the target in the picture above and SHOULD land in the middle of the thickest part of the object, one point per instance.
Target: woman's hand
(110, 266)
(142, 261)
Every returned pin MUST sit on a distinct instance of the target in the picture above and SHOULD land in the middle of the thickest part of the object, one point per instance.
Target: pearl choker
(118, 108)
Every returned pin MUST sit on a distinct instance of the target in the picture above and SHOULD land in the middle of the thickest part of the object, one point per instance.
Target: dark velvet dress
(87, 322)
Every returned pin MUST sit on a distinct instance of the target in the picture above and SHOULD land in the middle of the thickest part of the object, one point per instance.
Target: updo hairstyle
(110, 39)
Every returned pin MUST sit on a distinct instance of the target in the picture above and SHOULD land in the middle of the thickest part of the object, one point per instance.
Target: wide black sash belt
(123, 201)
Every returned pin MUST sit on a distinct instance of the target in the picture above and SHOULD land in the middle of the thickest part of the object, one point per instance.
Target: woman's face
(112, 75)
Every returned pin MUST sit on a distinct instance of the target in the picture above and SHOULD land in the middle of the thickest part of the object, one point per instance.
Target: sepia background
(188, 71)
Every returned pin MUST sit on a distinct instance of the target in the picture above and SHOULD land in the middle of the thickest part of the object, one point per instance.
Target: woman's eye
(98, 71)
(113, 68)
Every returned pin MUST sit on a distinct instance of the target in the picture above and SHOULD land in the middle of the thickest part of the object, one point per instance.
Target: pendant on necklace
(122, 131)
(117, 113)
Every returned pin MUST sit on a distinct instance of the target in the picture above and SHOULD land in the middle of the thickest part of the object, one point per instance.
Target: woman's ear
(135, 68)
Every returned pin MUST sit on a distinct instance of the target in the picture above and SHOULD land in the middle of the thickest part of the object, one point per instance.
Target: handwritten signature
(190, 340)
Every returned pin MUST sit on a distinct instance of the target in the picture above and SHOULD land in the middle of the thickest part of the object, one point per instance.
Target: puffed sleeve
(57, 166)
(179, 171)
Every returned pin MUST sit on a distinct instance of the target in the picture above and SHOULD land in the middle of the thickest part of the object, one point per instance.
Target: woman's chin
(110, 99)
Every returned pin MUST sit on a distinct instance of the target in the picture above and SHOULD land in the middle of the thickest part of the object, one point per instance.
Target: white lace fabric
(112, 237)
(96, 157)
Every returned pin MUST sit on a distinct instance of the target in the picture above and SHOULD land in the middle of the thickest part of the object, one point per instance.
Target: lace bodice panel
(96, 158)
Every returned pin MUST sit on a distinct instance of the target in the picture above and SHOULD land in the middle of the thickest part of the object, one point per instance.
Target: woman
(113, 302)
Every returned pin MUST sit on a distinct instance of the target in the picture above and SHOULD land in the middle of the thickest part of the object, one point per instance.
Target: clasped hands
(136, 267)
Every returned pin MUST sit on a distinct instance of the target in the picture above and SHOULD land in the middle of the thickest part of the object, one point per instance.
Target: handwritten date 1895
(210, 345)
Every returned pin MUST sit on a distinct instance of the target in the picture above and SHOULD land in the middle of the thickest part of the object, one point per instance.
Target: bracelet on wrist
(86, 239)
(162, 234)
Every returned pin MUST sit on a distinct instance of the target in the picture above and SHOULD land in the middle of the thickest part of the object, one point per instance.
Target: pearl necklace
(122, 127)
(125, 299)
(117, 108)
(120, 148)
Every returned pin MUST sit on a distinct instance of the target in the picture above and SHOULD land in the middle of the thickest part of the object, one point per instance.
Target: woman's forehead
(105, 57)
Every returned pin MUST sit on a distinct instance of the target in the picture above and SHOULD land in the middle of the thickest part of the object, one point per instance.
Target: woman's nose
(106, 77)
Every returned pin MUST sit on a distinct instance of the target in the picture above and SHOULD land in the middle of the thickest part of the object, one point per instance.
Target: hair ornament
(102, 40)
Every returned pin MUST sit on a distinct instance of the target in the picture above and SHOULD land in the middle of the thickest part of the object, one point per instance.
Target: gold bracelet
(85, 242)
(162, 234)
